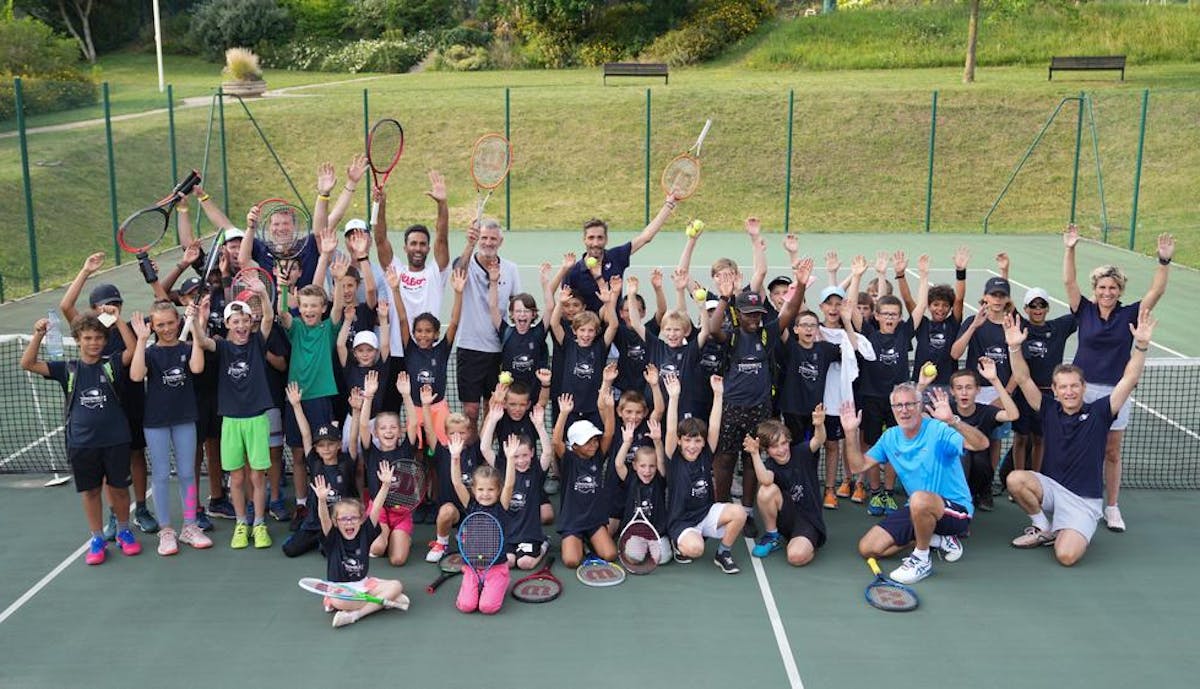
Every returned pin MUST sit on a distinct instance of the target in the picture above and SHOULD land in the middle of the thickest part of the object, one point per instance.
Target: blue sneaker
(144, 519)
(875, 506)
(110, 527)
(769, 543)
(96, 551)
(278, 510)
(889, 502)
(221, 508)
(203, 521)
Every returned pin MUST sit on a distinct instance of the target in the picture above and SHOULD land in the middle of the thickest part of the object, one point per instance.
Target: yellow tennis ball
(694, 228)
(929, 371)
(591, 261)
(506, 378)
(700, 294)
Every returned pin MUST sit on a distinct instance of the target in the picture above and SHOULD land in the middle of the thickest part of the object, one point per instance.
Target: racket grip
(187, 329)
(374, 214)
(147, 268)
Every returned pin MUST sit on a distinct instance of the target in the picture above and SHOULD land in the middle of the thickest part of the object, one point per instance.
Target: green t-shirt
(311, 364)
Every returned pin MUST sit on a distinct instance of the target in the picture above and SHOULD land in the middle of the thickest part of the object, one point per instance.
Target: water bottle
(54, 338)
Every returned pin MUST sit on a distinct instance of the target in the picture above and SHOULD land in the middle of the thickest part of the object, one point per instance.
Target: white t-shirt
(475, 329)
(422, 292)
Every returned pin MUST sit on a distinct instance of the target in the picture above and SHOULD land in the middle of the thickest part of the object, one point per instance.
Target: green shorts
(247, 438)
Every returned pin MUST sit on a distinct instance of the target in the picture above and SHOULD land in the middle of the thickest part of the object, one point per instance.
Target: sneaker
(221, 508)
(845, 489)
(768, 544)
(128, 543)
(144, 519)
(298, 517)
(262, 538)
(1034, 537)
(859, 495)
(681, 558)
(912, 570)
(193, 535)
(203, 521)
(750, 530)
(889, 502)
(344, 617)
(167, 542)
(724, 562)
(875, 507)
(831, 501)
(985, 502)
(436, 552)
(96, 551)
(1112, 517)
(279, 511)
(241, 537)
(551, 485)
(110, 527)
(951, 548)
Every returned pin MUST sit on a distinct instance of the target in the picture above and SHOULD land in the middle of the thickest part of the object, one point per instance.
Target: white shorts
(1067, 510)
(346, 432)
(275, 419)
(1094, 391)
(709, 527)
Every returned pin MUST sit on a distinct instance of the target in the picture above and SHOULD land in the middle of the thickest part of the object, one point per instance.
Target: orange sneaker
(831, 501)
(843, 491)
(860, 494)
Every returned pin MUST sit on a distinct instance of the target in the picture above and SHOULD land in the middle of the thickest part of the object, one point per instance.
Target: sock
(241, 520)
(773, 534)
(443, 540)
(935, 541)
(922, 555)
(1040, 521)
(259, 520)
(122, 526)
(722, 549)
(301, 502)
(97, 534)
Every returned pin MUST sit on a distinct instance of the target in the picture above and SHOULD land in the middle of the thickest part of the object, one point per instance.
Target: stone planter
(245, 89)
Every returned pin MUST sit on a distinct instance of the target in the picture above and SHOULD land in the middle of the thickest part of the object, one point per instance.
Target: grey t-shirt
(475, 329)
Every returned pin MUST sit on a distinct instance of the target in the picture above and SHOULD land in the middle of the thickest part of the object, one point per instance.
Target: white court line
(30, 446)
(1167, 420)
(785, 648)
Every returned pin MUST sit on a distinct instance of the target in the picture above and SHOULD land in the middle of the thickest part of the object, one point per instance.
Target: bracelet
(205, 198)
(1141, 349)
(960, 274)
(181, 209)
(1164, 261)
(322, 197)
(901, 276)
(348, 188)
(360, 259)
(1014, 349)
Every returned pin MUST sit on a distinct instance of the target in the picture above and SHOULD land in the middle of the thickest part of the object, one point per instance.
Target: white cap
(580, 432)
(355, 224)
(366, 337)
(1036, 293)
(232, 233)
(711, 304)
(237, 306)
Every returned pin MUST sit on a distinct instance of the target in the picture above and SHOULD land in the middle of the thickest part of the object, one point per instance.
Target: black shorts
(317, 411)
(478, 373)
(876, 416)
(954, 522)
(392, 400)
(1027, 422)
(301, 541)
(799, 425)
(833, 428)
(737, 423)
(792, 523)
(93, 466)
(208, 421)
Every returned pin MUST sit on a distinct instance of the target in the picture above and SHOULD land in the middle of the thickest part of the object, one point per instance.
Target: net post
(932, 148)
(787, 192)
(224, 157)
(1137, 171)
(646, 185)
(112, 171)
(1078, 146)
(26, 183)
(366, 137)
(508, 177)
(171, 140)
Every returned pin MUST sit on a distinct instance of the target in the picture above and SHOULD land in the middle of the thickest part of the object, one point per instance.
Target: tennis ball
(694, 228)
(505, 378)
(591, 261)
(700, 294)
(929, 371)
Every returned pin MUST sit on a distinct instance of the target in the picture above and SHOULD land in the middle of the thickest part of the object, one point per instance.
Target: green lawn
(859, 160)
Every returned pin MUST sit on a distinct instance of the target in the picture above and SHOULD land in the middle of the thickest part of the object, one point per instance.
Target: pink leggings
(495, 585)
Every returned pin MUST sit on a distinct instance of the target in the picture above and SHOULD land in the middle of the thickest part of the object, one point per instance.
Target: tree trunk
(86, 46)
(972, 37)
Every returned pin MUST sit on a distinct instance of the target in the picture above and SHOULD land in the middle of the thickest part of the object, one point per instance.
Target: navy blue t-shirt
(934, 339)
(798, 482)
(470, 459)
(984, 419)
(680, 361)
(691, 491)
(749, 379)
(170, 397)
(988, 341)
(581, 282)
(802, 383)
(582, 371)
(584, 499)
(1045, 345)
(522, 354)
(709, 363)
(651, 497)
(365, 319)
(348, 559)
(877, 378)
(505, 427)
(1074, 444)
(279, 345)
(632, 356)
(525, 508)
(356, 375)
(340, 479)
(243, 390)
(1103, 348)
(427, 367)
(97, 418)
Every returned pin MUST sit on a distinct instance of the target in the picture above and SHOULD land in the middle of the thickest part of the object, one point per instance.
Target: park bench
(636, 69)
(1088, 63)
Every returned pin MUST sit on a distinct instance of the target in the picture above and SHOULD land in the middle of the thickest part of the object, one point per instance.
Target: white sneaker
(167, 543)
(912, 570)
(195, 537)
(1112, 517)
(436, 552)
(951, 548)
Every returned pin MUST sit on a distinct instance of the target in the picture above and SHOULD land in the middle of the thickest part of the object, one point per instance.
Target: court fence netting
(1161, 448)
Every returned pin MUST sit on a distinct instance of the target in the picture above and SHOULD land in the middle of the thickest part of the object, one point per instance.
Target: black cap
(105, 293)
(190, 285)
(997, 285)
(327, 431)
(750, 302)
(780, 280)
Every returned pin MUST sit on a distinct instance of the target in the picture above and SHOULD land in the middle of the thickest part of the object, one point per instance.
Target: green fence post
(932, 142)
(508, 177)
(27, 183)
(1078, 146)
(1137, 171)
(224, 156)
(646, 184)
(171, 140)
(112, 172)
(787, 193)
(366, 141)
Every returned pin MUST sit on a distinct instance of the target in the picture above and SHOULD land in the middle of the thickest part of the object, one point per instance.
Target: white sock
(301, 502)
(935, 541)
(1040, 521)
(922, 555)
(443, 540)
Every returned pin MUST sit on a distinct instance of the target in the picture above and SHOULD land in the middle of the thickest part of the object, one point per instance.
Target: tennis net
(1161, 450)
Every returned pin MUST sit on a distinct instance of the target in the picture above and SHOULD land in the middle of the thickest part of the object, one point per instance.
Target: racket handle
(187, 329)
(874, 566)
(147, 268)
(703, 133)
(374, 214)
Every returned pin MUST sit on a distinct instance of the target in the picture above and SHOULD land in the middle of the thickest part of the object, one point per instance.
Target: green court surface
(997, 618)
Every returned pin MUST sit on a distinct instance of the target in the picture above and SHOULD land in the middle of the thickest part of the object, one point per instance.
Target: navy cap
(997, 285)
(105, 293)
(750, 302)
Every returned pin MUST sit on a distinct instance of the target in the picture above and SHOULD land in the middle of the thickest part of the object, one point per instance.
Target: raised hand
(349, 314)
(371, 384)
(545, 270)
(791, 244)
(321, 491)
(327, 241)
(803, 271)
(818, 415)
(326, 178)
(750, 445)
(437, 187)
(832, 264)
(940, 409)
(753, 227)
(881, 262)
(922, 265)
(458, 280)
(858, 265)
(568, 259)
(511, 444)
(650, 374)
(631, 285)
(544, 376)
(671, 383)
(679, 278)
(987, 369)
(359, 243)
(385, 473)
(900, 262)
(140, 327)
(339, 266)
(191, 253)
(293, 393)
(627, 432)
(93, 263)
(962, 257)
(41, 326)
(1071, 236)
(610, 373)
(538, 416)
(718, 384)
(1144, 329)
(357, 168)
(850, 417)
(427, 395)
(392, 277)
(1166, 246)
(402, 385)
(655, 429)
(1002, 262)
(656, 278)
(566, 403)
(1014, 334)
(356, 398)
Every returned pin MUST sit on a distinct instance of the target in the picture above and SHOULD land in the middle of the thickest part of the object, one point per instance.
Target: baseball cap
(237, 306)
(831, 291)
(327, 431)
(750, 302)
(190, 285)
(997, 285)
(1034, 293)
(779, 280)
(105, 293)
(711, 304)
(355, 224)
(232, 233)
(581, 431)
(365, 337)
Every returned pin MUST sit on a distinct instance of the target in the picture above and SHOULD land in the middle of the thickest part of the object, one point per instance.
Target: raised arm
(90, 266)
(511, 445)
(441, 225)
(1008, 407)
(606, 406)
(656, 224)
(800, 274)
(832, 266)
(973, 438)
(1137, 360)
(458, 282)
(354, 174)
(964, 339)
(326, 179)
(716, 320)
(538, 416)
(962, 257)
(758, 249)
(714, 414)
(137, 365)
(671, 439)
(858, 266)
(487, 436)
(321, 492)
(469, 246)
(556, 327)
(855, 458)
(566, 404)
(764, 475)
(1070, 280)
(660, 295)
(622, 469)
(635, 311)
(1166, 251)
(460, 490)
(29, 357)
(293, 397)
(917, 310)
(900, 272)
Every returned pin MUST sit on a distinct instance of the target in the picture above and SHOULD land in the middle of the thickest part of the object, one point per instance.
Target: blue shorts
(955, 521)
(318, 411)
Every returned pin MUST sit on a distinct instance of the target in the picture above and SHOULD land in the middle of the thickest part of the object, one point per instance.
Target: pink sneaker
(192, 535)
(128, 543)
(96, 551)
(167, 543)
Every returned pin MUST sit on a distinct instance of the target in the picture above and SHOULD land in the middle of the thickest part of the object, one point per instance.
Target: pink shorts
(395, 518)
(438, 412)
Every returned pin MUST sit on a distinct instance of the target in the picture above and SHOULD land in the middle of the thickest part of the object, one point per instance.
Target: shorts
(833, 428)
(317, 411)
(1002, 431)
(528, 548)
(1094, 391)
(710, 526)
(246, 438)
(478, 372)
(1027, 422)
(955, 521)
(392, 400)
(275, 419)
(987, 395)
(799, 425)
(736, 424)
(208, 421)
(584, 534)
(876, 417)
(93, 466)
(1067, 510)
(792, 523)
(416, 423)
(394, 518)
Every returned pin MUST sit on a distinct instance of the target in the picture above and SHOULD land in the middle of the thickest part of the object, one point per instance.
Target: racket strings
(682, 176)
(482, 539)
(386, 142)
(489, 163)
(144, 229)
(284, 228)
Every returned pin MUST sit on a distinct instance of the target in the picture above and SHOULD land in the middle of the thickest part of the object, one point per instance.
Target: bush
(48, 93)
(716, 25)
(242, 64)
(462, 35)
(222, 24)
(374, 17)
(374, 55)
(318, 18)
(27, 46)
(460, 58)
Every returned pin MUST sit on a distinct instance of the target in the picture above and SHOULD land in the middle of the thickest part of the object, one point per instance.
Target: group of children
(650, 412)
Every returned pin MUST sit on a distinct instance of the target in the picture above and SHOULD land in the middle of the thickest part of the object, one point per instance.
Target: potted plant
(243, 72)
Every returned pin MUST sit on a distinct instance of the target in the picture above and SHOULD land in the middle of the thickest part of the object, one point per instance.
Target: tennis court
(999, 617)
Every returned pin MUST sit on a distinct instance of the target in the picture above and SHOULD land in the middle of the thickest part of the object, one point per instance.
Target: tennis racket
(408, 485)
(284, 227)
(490, 162)
(208, 268)
(597, 572)
(147, 227)
(681, 178)
(639, 546)
(385, 145)
(245, 286)
(540, 587)
(451, 566)
(332, 589)
(885, 594)
(481, 542)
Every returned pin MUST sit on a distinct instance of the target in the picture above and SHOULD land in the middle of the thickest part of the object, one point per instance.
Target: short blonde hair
(584, 318)
(1109, 271)
(723, 264)
(677, 319)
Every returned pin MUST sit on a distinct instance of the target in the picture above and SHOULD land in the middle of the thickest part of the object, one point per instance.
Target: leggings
(159, 443)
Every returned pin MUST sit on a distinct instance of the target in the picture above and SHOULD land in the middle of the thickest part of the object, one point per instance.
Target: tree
(972, 38)
(74, 15)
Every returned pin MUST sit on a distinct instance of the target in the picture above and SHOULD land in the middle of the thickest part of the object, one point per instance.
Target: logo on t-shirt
(937, 340)
(710, 363)
(354, 568)
(584, 370)
(750, 368)
(797, 493)
(523, 362)
(174, 377)
(238, 370)
(997, 354)
(808, 370)
(92, 398)
(1036, 349)
(585, 485)
(425, 377)
(517, 502)
(889, 357)
(636, 352)
(700, 488)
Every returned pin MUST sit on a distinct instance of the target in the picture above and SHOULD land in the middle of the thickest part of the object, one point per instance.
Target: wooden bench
(1088, 63)
(636, 69)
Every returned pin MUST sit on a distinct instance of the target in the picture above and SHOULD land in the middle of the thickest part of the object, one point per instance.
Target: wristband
(1014, 349)
(348, 188)
(205, 198)
(1164, 261)
(322, 197)
(181, 209)
(360, 259)
(901, 276)
(1141, 349)
(960, 274)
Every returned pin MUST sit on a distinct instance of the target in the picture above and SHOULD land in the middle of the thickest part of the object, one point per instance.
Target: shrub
(460, 58)
(462, 35)
(242, 64)
(222, 24)
(373, 17)
(48, 93)
(27, 46)
(318, 18)
(373, 55)
(715, 25)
